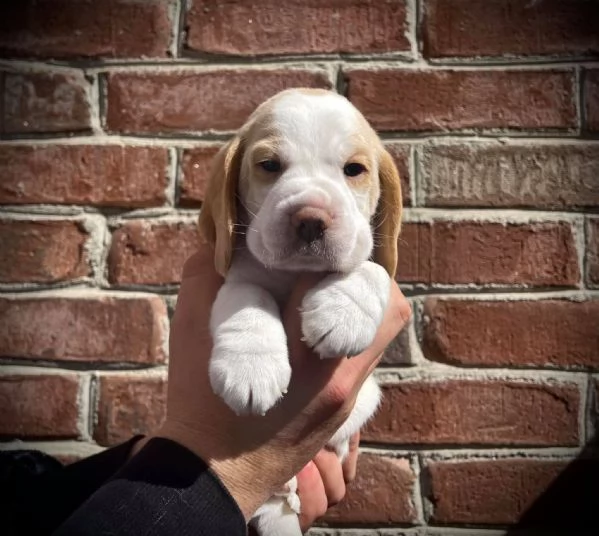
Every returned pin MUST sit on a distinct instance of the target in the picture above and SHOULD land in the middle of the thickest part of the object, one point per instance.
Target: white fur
(249, 367)
(341, 315)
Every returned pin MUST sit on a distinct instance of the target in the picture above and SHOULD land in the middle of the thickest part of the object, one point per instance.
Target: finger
(199, 284)
(350, 463)
(331, 473)
(201, 262)
(313, 498)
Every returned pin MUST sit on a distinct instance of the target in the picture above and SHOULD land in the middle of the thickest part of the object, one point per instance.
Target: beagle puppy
(305, 185)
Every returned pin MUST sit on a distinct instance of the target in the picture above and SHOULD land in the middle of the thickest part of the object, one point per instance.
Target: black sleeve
(37, 493)
(164, 490)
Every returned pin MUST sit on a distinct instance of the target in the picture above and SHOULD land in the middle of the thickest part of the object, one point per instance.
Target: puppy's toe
(249, 383)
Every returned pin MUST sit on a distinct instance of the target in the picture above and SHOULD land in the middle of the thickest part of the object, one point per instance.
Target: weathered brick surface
(83, 328)
(182, 101)
(554, 333)
(416, 100)
(72, 28)
(128, 405)
(83, 174)
(542, 254)
(195, 172)
(43, 406)
(368, 500)
(246, 28)
(35, 102)
(510, 27)
(110, 116)
(401, 157)
(591, 99)
(488, 491)
(477, 412)
(151, 253)
(593, 252)
(547, 176)
(42, 251)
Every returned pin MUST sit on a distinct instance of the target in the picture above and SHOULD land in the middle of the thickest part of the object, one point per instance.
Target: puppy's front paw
(249, 382)
(249, 367)
(341, 315)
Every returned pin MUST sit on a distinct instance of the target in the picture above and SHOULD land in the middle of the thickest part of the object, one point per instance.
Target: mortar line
(83, 406)
(399, 59)
(417, 491)
(410, 214)
(465, 452)
(413, 30)
(178, 10)
(208, 138)
(417, 192)
(577, 97)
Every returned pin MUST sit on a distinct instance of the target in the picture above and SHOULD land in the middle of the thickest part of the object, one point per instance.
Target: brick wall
(109, 115)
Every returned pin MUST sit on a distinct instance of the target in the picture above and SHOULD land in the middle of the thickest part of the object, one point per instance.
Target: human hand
(255, 455)
(322, 482)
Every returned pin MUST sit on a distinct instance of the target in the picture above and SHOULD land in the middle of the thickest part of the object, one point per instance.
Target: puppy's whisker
(244, 205)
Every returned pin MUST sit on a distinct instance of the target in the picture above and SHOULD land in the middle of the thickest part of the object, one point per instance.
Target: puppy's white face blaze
(309, 183)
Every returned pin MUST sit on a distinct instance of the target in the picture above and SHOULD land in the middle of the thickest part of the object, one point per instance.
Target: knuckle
(338, 395)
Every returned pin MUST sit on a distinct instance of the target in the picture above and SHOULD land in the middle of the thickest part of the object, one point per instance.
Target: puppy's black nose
(310, 230)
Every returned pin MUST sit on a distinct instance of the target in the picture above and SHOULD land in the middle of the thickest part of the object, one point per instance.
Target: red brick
(488, 491)
(537, 254)
(272, 27)
(44, 102)
(195, 171)
(151, 253)
(83, 174)
(476, 412)
(593, 252)
(85, 28)
(553, 333)
(40, 406)
(548, 176)
(42, 251)
(368, 499)
(75, 327)
(188, 101)
(401, 157)
(127, 406)
(476, 28)
(591, 99)
(416, 100)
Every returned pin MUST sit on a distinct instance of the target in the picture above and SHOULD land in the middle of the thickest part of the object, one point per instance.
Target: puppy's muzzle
(310, 223)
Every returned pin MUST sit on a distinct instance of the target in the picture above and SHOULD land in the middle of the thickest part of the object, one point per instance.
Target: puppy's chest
(246, 269)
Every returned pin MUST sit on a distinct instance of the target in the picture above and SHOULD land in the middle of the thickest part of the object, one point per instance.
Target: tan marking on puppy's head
(311, 149)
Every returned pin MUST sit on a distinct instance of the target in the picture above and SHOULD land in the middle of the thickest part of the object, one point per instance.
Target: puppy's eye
(272, 166)
(353, 169)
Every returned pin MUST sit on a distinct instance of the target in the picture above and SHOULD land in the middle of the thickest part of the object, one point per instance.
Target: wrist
(242, 474)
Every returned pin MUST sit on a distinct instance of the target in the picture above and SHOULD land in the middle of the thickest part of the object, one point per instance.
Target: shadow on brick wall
(570, 505)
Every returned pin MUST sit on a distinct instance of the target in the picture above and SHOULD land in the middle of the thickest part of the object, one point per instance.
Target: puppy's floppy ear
(219, 211)
(387, 220)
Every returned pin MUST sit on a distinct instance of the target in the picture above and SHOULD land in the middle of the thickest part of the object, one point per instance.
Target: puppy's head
(309, 186)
